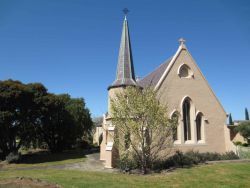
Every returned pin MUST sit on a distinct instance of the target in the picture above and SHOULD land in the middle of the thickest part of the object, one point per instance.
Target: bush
(244, 152)
(83, 144)
(126, 164)
(238, 143)
(229, 156)
(208, 156)
(245, 145)
(13, 157)
(195, 157)
(244, 129)
(180, 159)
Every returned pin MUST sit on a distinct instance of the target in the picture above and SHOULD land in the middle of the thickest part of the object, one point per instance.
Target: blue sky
(71, 46)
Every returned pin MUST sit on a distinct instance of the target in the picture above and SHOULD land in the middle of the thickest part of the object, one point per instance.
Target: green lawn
(217, 175)
(45, 159)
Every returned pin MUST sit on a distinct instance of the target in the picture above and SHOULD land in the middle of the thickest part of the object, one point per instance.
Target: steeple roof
(125, 75)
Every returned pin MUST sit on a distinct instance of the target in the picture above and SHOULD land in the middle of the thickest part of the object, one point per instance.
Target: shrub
(216, 156)
(195, 157)
(208, 156)
(244, 129)
(244, 152)
(229, 156)
(245, 145)
(13, 157)
(180, 159)
(83, 144)
(126, 163)
(238, 143)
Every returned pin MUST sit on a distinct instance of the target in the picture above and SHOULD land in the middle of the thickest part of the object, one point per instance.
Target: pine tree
(230, 119)
(246, 114)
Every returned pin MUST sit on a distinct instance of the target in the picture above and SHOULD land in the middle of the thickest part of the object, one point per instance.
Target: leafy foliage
(18, 114)
(30, 116)
(244, 129)
(244, 152)
(57, 128)
(180, 159)
(238, 143)
(143, 131)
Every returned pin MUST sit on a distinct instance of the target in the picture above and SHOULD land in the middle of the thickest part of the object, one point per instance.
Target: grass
(217, 175)
(46, 159)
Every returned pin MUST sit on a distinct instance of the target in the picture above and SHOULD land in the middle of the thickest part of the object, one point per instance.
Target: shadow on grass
(44, 156)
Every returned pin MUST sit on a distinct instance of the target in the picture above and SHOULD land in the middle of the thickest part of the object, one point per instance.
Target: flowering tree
(143, 130)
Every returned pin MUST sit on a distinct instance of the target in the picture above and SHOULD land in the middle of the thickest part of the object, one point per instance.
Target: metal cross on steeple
(125, 11)
(125, 74)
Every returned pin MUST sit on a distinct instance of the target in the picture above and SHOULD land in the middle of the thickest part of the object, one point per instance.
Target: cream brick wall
(108, 136)
(111, 94)
(172, 91)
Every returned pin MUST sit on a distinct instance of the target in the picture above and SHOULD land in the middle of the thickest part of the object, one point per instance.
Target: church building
(181, 86)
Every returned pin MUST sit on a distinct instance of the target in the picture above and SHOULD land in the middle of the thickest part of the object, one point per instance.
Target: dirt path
(92, 163)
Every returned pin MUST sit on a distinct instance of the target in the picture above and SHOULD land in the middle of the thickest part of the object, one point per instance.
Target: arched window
(175, 119)
(186, 120)
(198, 126)
(184, 71)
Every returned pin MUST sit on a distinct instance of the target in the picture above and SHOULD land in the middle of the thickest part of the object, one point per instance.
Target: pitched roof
(153, 78)
(125, 74)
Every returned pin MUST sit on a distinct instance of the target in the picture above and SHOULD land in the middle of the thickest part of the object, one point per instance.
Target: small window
(185, 72)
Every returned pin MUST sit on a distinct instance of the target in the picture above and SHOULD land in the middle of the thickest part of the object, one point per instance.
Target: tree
(244, 129)
(81, 116)
(64, 121)
(142, 128)
(56, 125)
(17, 114)
(246, 114)
(29, 115)
(230, 119)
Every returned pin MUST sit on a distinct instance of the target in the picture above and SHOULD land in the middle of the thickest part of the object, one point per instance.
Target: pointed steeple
(125, 75)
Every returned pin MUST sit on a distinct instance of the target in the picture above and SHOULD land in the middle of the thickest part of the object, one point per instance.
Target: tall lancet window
(186, 120)
(198, 126)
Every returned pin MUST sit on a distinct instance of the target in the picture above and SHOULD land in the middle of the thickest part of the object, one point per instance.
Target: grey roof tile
(152, 79)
